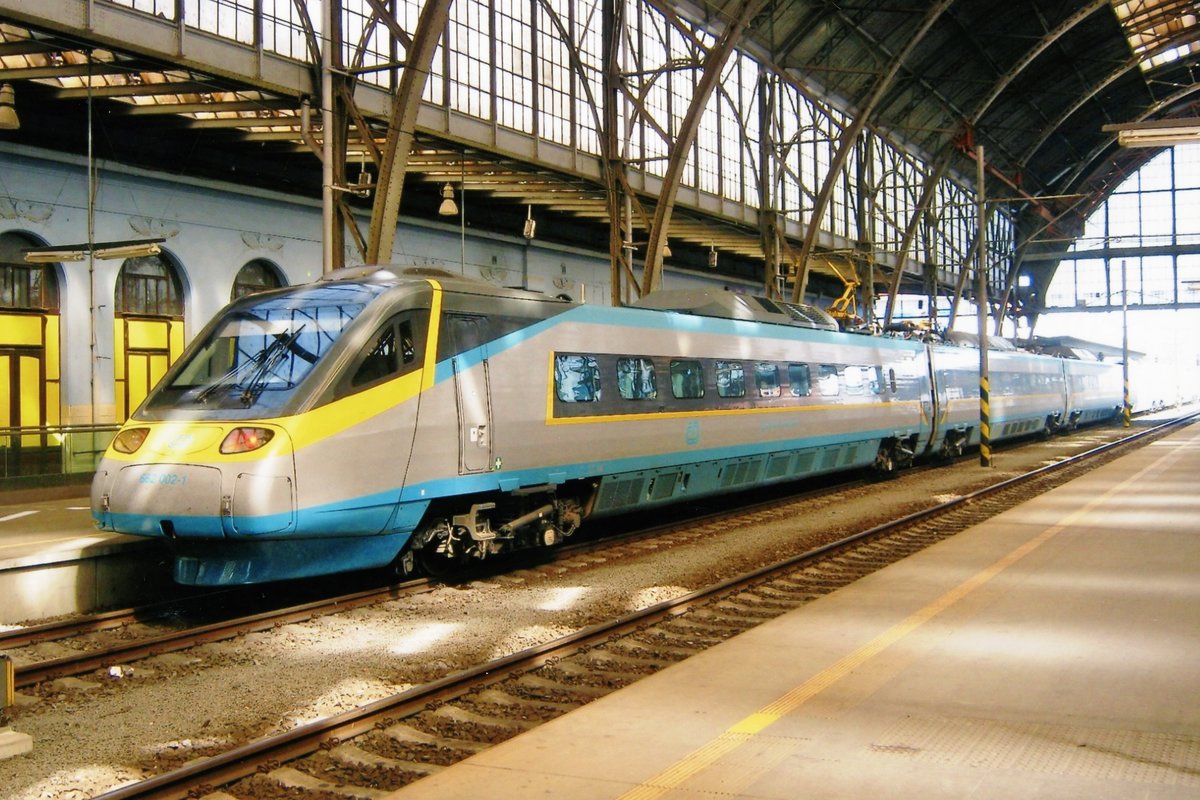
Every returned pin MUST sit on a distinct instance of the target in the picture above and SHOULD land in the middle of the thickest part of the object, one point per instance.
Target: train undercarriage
(453, 538)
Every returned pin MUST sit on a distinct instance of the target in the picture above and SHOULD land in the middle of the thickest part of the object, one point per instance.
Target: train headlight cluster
(244, 440)
(130, 439)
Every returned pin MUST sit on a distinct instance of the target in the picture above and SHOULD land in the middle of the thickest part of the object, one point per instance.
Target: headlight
(243, 440)
(130, 439)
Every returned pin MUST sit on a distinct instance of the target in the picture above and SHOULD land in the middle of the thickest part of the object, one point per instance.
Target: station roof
(1041, 84)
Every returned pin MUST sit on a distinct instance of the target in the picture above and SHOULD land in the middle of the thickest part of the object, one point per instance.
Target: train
(409, 418)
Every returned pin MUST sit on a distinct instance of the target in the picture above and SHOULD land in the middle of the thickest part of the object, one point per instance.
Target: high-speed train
(386, 416)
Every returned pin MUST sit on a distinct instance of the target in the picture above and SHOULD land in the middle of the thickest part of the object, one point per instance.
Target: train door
(936, 401)
(473, 394)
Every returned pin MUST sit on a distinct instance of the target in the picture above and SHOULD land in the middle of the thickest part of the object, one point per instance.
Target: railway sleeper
(355, 757)
(405, 734)
(499, 696)
(727, 617)
(576, 675)
(539, 686)
(759, 600)
(461, 716)
(293, 779)
(706, 626)
(783, 593)
(690, 640)
(651, 652)
(609, 661)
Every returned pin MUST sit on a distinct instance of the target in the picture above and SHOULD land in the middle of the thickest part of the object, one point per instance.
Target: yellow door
(145, 349)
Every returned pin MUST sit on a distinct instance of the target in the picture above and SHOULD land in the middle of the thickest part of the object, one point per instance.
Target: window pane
(635, 379)
(731, 379)
(687, 379)
(576, 379)
(766, 378)
(800, 380)
(828, 384)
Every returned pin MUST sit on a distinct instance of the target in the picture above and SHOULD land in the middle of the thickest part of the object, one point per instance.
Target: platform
(52, 561)
(1053, 652)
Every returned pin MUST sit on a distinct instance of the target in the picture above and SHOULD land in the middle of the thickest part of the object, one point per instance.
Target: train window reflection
(800, 380)
(766, 379)
(635, 379)
(827, 383)
(576, 378)
(731, 379)
(687, 379)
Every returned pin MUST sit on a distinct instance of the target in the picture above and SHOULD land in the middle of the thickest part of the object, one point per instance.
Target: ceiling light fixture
(136, 248)
(1158, 133)
(8, 109)
(448, 208)
(530, 224)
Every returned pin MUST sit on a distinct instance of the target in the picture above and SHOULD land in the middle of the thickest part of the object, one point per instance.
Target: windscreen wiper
(269, 358)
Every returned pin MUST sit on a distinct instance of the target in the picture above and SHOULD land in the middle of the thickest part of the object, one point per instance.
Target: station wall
(211, 231)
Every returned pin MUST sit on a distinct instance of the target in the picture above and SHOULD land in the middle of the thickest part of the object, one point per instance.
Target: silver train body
(385, 414)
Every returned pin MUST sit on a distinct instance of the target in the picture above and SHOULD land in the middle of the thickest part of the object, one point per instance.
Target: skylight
(1159, 31)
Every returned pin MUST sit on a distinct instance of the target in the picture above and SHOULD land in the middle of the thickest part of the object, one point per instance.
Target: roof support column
(613, 12)
(718, 55)
(401, 129)
(849, 139)
(768, 203)
(928, 192)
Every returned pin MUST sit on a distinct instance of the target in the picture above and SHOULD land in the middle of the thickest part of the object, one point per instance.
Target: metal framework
(703, 127)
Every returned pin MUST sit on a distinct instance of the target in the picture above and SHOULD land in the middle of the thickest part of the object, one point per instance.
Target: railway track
(392, 742)
(153, 630)
(131, 647)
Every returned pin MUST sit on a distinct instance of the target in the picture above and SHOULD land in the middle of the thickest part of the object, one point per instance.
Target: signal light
(130, 439)
(244, 440)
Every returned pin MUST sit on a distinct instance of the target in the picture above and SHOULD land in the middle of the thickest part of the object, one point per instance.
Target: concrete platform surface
(1053, 652)
(53, 561)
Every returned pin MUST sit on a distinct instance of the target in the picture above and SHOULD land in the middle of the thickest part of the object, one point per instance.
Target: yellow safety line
(741, 733)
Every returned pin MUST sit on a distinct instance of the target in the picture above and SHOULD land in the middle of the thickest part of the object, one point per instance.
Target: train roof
(398, 274)
(735, 305)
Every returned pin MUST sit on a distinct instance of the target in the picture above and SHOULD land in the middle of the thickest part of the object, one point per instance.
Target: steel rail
(31, 674)
(245, 760)
(124, 652)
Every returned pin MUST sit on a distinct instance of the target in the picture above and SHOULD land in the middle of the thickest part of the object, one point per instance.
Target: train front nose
(191, 482)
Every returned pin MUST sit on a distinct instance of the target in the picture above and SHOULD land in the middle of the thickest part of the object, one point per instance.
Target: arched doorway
(29, 359)
(258, 275)
(147, 327)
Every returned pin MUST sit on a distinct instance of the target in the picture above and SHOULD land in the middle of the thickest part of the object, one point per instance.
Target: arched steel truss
(689, 127)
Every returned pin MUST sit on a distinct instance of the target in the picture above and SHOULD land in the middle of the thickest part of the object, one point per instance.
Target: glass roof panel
(1159, 31)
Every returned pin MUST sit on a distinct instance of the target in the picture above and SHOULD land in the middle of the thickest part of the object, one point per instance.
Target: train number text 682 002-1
(163, 479)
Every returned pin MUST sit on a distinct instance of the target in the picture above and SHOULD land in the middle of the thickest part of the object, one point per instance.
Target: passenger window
(766, 378)
(576, 379)
(854, 382)
(800, 380)
(392, 352)
(635, 379)
(687, 379)
(828, 384)
(382, 359)
(731, 379)
(892, 380)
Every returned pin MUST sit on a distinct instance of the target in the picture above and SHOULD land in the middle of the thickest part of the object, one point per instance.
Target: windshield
(258, 353)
